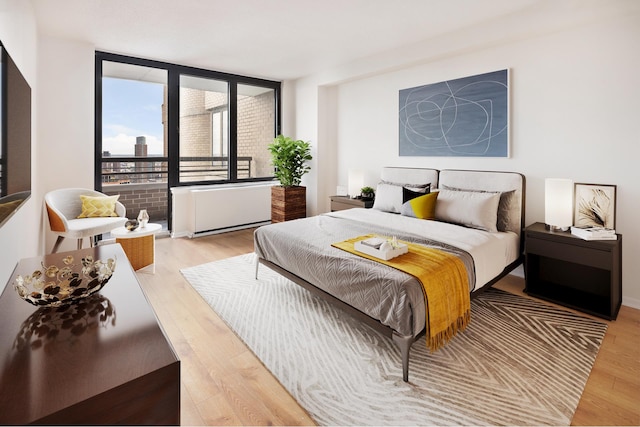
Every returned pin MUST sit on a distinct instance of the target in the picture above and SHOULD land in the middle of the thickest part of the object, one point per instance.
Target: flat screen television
(15, 137)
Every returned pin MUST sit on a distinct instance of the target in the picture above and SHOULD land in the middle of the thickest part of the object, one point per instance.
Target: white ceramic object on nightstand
(143, 218)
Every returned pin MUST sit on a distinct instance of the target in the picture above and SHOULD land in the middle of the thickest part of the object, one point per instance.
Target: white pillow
(468, 208)
(388, 198)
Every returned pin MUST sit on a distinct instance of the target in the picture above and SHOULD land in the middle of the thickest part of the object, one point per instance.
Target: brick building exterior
(256, 118)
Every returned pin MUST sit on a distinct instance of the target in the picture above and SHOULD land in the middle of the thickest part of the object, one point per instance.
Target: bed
(478, 217)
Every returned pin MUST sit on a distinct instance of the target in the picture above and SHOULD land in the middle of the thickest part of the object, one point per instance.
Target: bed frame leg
(404, 343)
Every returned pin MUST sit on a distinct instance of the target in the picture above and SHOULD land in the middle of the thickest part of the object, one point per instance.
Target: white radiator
(228, 208)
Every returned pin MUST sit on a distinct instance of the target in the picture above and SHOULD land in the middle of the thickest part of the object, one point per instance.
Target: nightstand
(582, 274)
(339, 203)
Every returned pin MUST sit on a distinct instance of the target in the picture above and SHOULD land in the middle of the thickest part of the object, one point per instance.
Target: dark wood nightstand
(339, 203)
(582, 274)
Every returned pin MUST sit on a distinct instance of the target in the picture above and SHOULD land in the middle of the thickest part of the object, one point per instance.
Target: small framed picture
(595, 206)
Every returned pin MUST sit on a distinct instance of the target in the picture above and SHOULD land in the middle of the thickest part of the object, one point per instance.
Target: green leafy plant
(367, 192)
(289, 158)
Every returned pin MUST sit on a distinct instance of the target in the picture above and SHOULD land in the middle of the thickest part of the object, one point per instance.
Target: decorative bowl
(58, 285)
(132, 224)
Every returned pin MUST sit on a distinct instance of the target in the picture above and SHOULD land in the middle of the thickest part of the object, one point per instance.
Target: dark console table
(582, 274)
(104, 360)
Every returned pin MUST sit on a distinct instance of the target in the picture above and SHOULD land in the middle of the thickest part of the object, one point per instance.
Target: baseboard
(631, 302)
(518, 271)
(227, 229)
(177, 235)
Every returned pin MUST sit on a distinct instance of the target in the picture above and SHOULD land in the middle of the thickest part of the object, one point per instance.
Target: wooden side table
(582, 274)
(102, 360)
(139, 244)
(339, 203)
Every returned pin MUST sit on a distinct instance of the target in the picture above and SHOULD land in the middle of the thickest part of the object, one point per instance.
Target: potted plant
(289, 158)
(367, 193)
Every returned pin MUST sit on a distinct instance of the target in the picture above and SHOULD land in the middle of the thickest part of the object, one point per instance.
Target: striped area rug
(520, 362)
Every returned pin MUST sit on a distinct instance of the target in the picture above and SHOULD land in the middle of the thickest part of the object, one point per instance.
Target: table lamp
(558, 203)
(356, 182)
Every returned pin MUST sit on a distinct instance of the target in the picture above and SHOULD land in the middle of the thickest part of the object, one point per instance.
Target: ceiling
(289, 39)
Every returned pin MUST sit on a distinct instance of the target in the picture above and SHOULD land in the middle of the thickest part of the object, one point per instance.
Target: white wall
(60, 74)
(65, 121)
(17, 236)
(574, 114)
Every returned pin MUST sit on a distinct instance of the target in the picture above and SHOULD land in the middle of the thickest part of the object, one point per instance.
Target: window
(203, 152)
(133, 124)
(170, 125)
(219, 133)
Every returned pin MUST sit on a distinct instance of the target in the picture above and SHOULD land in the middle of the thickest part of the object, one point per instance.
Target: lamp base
(556, 228)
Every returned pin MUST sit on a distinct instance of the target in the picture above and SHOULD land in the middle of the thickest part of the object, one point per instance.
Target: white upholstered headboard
(410, 175)
(511, 184)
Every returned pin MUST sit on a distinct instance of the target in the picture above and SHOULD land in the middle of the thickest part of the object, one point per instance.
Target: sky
(131, 109)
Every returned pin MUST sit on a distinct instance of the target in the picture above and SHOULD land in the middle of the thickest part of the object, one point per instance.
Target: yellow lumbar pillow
(423, 207)
(98, 206)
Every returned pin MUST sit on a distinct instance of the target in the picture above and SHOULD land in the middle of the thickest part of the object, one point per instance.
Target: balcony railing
(211, 168)
(138, 170)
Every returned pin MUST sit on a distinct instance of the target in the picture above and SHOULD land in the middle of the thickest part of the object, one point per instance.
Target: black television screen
(15, 135)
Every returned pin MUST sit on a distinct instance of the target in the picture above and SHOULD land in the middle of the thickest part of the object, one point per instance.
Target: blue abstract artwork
(465, 117)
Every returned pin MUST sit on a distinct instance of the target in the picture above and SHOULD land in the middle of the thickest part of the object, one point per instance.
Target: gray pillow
(504, 213)
(469, 208)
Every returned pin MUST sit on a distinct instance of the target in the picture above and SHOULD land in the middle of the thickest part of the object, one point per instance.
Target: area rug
(520, 362)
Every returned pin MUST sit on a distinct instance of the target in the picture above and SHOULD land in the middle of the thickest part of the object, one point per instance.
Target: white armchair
(63, 208)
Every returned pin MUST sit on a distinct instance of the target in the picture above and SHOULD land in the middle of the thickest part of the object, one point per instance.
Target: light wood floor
(223, 383)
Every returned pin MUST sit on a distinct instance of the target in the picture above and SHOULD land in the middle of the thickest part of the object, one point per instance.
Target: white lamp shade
(558, 202)
(356, 182)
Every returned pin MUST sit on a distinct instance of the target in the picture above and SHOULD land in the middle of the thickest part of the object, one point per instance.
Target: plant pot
(288, 203)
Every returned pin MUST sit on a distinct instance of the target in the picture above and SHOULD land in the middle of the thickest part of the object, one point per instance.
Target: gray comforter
(303, 247)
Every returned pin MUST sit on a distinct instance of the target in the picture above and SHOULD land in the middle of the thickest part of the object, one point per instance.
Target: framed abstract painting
(595, 205)
(466, 117)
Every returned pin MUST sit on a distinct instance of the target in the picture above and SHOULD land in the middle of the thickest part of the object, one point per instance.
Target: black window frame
(174, 71)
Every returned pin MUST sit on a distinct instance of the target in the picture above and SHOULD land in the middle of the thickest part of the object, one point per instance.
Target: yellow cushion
(422, 207)
(99, 206)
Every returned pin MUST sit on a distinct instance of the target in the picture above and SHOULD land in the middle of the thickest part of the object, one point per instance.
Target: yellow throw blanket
(444, 282)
